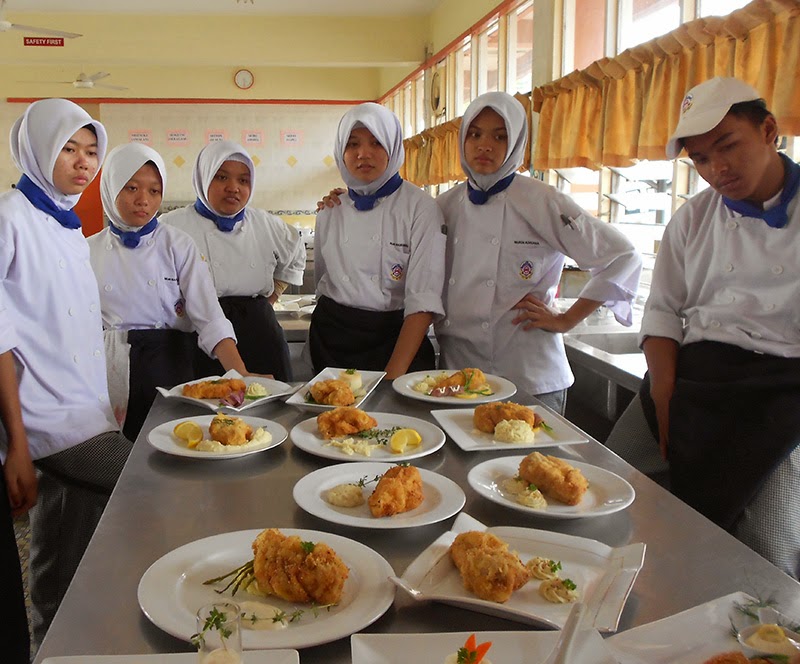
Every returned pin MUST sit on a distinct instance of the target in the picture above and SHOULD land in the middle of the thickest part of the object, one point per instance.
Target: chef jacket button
(729, 267)
(447, 323)
(777, 269)
(107, 287)
(485, 326)
(93, 307)
(731, 298)
(61, 263)
(215, 263)
(151, 282)
(451, 281)
(732, 224)
(96, 353)
(159, 325)
(490, 283)
(109, 247)
(769, 307)
(495, 241)
(374, 277)
(69, 311)
(101, 398)
(150, 242)
(75, 359)
(375, 238)
(714, 323)
(756, 335)
(345, 278)
(455, 240)
(253, 264)
(345, 240)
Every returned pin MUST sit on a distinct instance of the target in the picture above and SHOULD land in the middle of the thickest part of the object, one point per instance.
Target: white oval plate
(307, 437)
(276, 390)
(171, 590)
(502, 388)
(443, 497)
(607, 492)
(162, 438)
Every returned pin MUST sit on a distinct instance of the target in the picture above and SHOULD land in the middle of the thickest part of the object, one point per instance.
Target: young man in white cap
(721, 329)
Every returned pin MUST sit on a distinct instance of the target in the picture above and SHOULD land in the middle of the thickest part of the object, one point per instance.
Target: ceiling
(231, 7)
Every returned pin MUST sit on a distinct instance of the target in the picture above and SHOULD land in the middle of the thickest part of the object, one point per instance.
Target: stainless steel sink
(616, 343)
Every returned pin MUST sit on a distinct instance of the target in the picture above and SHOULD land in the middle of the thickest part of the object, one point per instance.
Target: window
(586, 43)
(463, 77)
(420, 114)
(519, 68)
(407, 119)
(719, 7)
(490, 57)
(643, 20)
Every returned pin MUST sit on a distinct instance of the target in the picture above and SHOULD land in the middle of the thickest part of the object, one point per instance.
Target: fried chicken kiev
(554, 477)
(298, 571)
(229, 430)
(214, 389)
(399, 490)
(487, 415)
(332, 393)
(488, 569)
(472, 378)
(344, 421)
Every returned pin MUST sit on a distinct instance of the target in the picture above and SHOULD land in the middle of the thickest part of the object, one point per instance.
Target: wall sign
(43, 41)
(215, 135)
(253, 138)
(177, 137)
(140, 136)
(291, 137)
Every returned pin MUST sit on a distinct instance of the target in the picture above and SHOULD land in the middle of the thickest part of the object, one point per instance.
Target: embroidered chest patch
(396, 272)
(180, 308)
(526, 270)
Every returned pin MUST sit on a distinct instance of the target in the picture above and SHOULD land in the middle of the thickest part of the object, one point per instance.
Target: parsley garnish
(555, 567)
(215, 620)
(308, 547)
(569, 584)
(382, 436)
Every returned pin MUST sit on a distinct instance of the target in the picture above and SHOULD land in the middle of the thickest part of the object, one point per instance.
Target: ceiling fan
(86, 82)
(5, 26)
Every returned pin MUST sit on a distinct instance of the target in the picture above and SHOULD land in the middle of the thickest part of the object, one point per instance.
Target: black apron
(734, 416)
(158, 358)
(350, 338)
(259, 339)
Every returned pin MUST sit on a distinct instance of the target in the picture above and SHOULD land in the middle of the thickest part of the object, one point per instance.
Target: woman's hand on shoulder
(532, 313)
(331, 200)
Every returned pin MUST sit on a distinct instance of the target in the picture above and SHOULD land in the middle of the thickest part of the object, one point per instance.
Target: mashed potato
(352, 377)
(514, 431)
(260, 438)
(345, 495)
(351, 446)
(255, 390)
(429, 382)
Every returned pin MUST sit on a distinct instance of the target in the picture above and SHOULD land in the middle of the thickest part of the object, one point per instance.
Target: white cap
(705, 105)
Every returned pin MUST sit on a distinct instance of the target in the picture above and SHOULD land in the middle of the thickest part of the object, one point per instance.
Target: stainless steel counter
(162, 502)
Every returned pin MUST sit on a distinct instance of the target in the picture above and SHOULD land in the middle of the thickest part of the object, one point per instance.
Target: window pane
(492, 66)
(408, 115)
(720, 7)
(590, 19)
(419, 101)
(464, 77)
(521, 54)
(643, 20)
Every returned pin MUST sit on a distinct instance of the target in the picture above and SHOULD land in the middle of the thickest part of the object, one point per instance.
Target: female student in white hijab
(378, 257)
(507, 239)
(155, 290)
(253, 256)
(53, 392)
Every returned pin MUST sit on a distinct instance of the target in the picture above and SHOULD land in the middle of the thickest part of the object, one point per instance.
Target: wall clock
(244, 79)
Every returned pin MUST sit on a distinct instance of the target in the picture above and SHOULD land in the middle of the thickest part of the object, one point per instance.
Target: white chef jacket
(161, 284)
(512, 246)
(389, 258)
(720, 276)
(246, 261)
(52, 303)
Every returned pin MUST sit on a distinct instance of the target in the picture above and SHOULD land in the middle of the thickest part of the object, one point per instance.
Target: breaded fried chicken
(474, 539)
(472, 378)
(399, 490)
(344, 421)
(332, 393)
(487, 415)
(230, 430)
(214, 389)
(554, 477)
(298, 571)
(493, 574)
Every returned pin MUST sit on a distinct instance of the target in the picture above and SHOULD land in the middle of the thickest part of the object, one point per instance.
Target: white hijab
(385, 127)
(211, 157)
(513, 114)
(122, 163)
(37, 137)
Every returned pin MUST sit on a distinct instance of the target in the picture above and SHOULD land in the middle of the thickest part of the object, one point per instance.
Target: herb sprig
(382, 436)
(215, 620)
(290, 616)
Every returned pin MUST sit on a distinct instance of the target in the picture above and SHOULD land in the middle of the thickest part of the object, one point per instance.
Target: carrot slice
(471, 643)
(481, 651)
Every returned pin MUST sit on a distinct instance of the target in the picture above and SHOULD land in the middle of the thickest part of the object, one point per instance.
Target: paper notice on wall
(252, 138)
(216, 135)
(140, 136)
(291, 137)
(177, 137)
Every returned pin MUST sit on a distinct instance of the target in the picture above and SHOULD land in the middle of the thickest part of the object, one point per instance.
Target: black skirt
(158, 358)
(260, 339)
(350, 338)
(734, 416)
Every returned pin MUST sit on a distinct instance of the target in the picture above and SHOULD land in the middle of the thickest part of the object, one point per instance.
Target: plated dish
(171, 590)
(275, 388)
(370, 380)
(500, 387)
(689, 637)
(443, 497)
(603, 575)
(163, 438)
(607, 492)
(307, 437)
(249, 657)
(434, 648)
(458, 424)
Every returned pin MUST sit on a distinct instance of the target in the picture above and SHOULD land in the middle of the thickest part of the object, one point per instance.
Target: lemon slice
(403, 438)
(190, 432)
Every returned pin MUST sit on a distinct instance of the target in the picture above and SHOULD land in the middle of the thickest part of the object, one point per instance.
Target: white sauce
(260, 438)
(264, 614)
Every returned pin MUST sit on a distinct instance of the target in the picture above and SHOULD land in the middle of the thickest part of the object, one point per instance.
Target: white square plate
(369, 381)
(604, 575)
(457, 423)
(250, 657)
(276, 390)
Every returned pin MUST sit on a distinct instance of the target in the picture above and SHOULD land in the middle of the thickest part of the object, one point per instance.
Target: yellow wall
(452, 17)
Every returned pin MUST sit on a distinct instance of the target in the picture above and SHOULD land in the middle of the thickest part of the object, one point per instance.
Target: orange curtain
(619, 110)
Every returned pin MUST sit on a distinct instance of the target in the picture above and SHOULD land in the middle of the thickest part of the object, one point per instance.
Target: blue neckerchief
(479, 196)
(131, 238)
(776, 217)
(367, 201)
(225, 224)
(41, 201)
